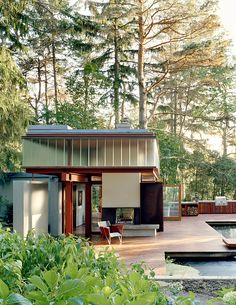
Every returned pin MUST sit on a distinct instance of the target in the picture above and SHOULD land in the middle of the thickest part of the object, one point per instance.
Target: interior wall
(80, 209)
(120, 190)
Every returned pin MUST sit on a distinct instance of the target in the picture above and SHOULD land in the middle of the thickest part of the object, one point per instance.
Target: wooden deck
(190, 235)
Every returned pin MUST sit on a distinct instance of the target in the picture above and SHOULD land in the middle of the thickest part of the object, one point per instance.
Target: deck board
(191, 234)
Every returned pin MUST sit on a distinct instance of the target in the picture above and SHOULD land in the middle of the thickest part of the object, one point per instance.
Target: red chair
(109, 231)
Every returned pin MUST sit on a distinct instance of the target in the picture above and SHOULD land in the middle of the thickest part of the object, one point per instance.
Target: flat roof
(64, 130)
(23, 175)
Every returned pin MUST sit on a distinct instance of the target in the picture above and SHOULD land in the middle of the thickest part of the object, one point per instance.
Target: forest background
(164, 64)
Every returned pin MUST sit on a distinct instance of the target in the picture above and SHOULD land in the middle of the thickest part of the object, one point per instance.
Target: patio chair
(109, 231)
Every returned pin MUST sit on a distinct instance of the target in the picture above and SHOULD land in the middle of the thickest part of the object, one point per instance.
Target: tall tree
(43, 65)
(13, 23)
(14, 112)
(113, 51)
(222, 110)
(163, 26)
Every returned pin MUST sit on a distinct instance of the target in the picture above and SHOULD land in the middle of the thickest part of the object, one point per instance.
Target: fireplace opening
(125, 215)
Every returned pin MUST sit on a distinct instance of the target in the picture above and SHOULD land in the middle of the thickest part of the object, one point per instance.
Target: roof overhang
(79, 174)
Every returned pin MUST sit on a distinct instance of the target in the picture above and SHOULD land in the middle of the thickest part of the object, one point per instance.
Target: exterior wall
(30, 206)
(120, 190)
(91, 152)
(54, 207)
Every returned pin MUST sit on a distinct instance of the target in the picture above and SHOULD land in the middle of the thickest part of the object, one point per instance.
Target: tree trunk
(141, 75)
(175, 111)
(86, 91)
(37, 100)
(123, 103)
(224, 139)
(54, 76)
(116, 77)
(46, 90)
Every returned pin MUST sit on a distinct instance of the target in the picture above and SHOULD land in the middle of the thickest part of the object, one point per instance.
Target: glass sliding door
(96, 194)
(172, 202)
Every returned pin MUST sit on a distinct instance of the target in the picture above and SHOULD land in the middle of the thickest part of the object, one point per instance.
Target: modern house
(94, 174)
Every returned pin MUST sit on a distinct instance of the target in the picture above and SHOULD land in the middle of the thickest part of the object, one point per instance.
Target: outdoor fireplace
(121, 215)
(125, 215)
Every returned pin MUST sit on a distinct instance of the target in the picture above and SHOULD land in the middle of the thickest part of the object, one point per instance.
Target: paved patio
(191, 234)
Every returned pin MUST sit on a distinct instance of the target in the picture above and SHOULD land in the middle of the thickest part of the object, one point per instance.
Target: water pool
(210, 266)
(213, 265)
(226, 230)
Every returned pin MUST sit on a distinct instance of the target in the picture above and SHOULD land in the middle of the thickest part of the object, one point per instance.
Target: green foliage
(76, 116)
(203, 173)
(13, 22)
(224, 176)
(6, 211)
(226, 296)
(187, 300)
(14, 113)
(172, 157)
(43, 270)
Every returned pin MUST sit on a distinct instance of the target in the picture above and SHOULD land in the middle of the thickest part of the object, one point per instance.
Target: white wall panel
(120, 190)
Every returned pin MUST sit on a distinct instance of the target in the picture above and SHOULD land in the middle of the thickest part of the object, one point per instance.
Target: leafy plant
(226, 296)
(67, 270)
(187, 300)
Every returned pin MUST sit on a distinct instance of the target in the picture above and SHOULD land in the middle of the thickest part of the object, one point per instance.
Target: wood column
(69, 207)
(88, 209)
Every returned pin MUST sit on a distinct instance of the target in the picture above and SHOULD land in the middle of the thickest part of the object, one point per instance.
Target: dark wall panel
(109, 214)
(136, 216)
(152, 204)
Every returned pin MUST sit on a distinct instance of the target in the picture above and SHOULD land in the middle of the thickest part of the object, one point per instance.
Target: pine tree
(14, 112)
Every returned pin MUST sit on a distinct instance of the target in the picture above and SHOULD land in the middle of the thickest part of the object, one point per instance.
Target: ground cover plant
(44, 270)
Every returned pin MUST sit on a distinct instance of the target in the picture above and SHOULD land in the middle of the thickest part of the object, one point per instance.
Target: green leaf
(17, 299)
(51, 278)
(4, 290)
(72, 270)
(37, 296)
(148, 298)
(62, 302)
(39, 283)
(134, 277)
(97, 299)
(70, 288)
(76, 301)
(119, 299)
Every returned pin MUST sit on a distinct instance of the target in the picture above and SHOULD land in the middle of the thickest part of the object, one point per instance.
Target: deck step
(230, 242)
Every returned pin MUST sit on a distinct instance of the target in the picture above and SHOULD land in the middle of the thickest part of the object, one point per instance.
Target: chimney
(124, 124)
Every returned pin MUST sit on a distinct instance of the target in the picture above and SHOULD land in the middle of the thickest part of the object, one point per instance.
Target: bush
(44, 270)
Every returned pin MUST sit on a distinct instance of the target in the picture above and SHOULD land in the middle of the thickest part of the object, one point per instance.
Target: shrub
(44, 270)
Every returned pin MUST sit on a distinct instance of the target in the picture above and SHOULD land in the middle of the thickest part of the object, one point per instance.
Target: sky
(227, 9)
